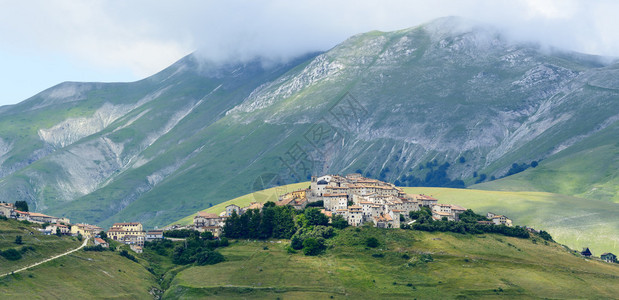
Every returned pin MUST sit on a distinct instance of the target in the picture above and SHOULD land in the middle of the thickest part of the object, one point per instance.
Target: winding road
(46, 260)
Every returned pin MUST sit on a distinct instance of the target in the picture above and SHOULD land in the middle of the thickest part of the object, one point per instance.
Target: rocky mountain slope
(381, 102)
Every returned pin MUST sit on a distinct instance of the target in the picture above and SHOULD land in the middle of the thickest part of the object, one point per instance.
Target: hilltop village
(356, 199)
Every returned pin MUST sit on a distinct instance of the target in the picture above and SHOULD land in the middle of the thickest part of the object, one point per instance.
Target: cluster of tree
(468, 223)
(198, 248)
(434, 177)
(545, 235)
(126, 254)
(272, 222)
(181, 233)
(517, 168)
(311, 239)
(199, 251)
(308, 229)
(13, 254)
(21, 205)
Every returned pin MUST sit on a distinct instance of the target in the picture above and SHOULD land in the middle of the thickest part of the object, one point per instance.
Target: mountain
(384, 103)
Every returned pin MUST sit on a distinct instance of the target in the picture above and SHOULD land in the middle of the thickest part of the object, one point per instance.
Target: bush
(372, 242)
(296, 243)
(97, 248)
(339, 222)
(378, 255)
(11, 254)
(127, 255)
(313, 246)
(181, 233)
(545, 235)
(18, 240)
(208, 258)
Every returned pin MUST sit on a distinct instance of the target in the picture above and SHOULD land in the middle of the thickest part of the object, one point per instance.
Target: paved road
(46, 260)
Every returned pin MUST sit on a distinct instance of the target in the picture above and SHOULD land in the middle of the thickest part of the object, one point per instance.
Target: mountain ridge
(197, 134)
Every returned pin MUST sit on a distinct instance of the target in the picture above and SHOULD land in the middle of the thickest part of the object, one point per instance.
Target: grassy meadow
(572, 221)
(81, 275)
(44, 246)
(407, 264)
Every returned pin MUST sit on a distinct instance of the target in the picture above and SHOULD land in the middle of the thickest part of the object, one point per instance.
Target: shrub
(545, 235)
(313, 246)
(378, 255)
(18, 240)
(208, 258)
(11, 254)
(372, 242)
(127, 255)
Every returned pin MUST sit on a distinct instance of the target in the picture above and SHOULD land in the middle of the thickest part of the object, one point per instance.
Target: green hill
(34, 247)
(575, 222)
(407, 264)
(589, 169)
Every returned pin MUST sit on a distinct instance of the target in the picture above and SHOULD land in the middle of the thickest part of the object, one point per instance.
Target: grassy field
(572, 221)
(44, 246)
(259, 196)
(590, 173)
(81, 275)
(461, 266)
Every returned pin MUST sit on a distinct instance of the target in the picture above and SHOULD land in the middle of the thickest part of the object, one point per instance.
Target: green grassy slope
(589, 169)
(463, 266)
(572, 221)
(81, 275)
(44, 246)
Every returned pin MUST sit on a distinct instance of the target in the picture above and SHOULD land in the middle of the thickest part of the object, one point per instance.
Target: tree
(315, 217)
(58, 233)
(21, 205)
(372, 242)
(461, 160)
(313, 246)
(545, 235)
(18, 240)
(103, 235)
(339, 222)
(206, 235)
(534, 164)
(79, 236)
(11, 254)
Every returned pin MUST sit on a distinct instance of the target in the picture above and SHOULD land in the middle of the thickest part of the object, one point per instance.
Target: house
(86, 230)
(7, 210)
(208, 219)
(215, 230)
(133, 239)
(58, 228)
(609, 257)
(499, 219)
(152, 235)
(102, 242)
(586, 252)
(35, 217)
(136, 248)
(253, 205)
(233, 208)
(127, 233)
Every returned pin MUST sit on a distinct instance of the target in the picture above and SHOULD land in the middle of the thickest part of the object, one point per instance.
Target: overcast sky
(46, 42)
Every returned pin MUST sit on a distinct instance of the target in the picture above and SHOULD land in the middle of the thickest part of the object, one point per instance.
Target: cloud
(144, 37)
